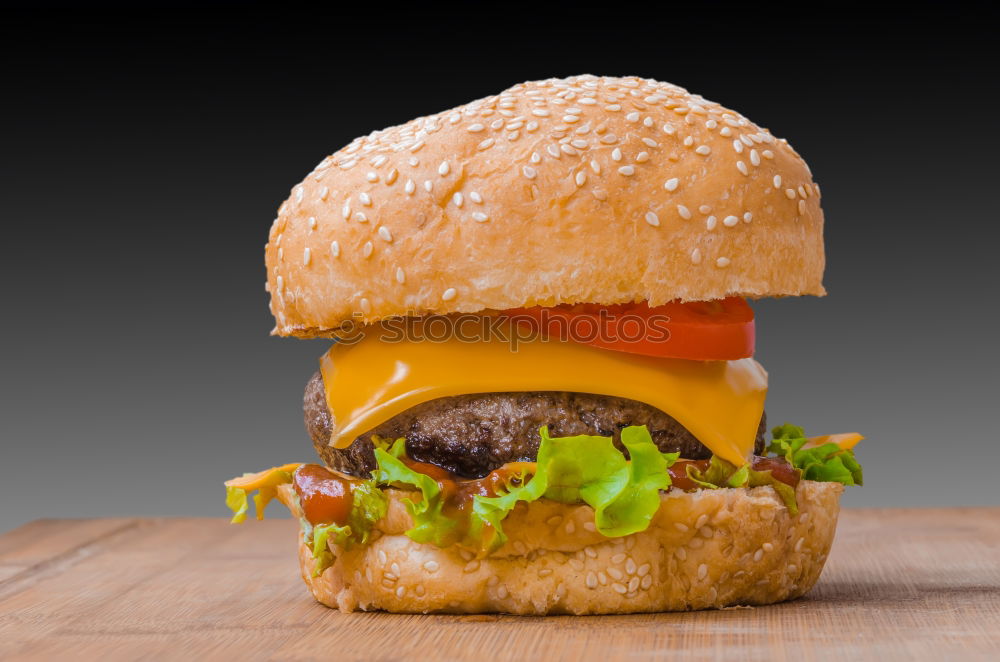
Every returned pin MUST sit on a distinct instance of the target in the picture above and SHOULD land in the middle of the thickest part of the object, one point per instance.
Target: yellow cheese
(845, 440)
(372, 380)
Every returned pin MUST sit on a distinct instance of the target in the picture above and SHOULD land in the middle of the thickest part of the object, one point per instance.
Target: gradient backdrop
(144, 158)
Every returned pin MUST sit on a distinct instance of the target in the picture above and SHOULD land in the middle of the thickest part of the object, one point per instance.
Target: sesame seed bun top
(587, 189)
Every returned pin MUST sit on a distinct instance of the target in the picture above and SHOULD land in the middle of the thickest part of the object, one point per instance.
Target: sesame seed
(428, 185)
(502, 592)
(754, 157)
(457, 199)
(345, 211)
(642, 157)
(616, 154)
(360, 217)
(618, 558)
(710, 223)
(684, 212)
(480, 217)
(449, 294)
(790, 193)
(334, 249)
(688, 141)
(367, 249)
(630, 566)
(540, 112)
(384, 233)
(535, 157)
(553, 151)
(595, 166)
(409, 187)
(306, 256)
(730, 221)
(650, 142)
(802, 192)
(475, 197)
(702, 571)
(696, 256)
(802, 206)
(609, 139)
(747, 217)
(400, 275)
(704, 209)
(777, 181)
(475, 128)
(568, 149)
(591, 580)
(671, 184)
(768, 547)
(579, 143)
(632, 117)
(652, 219)
(390, 177)
(648, 122)
(486, 144)
(616, 573)
(681, 554)
(619, 588)
(768, 154)
(742, 167)
(628, 170)
(323, 192)
(799, 543)
(758, 555)
(570, 527)
(312, 223)
(581, 178)
(722, 262)
(366, 199)
(471, 566)
(429, 566)
(444, 168)
(372, 176)
(704, 150)
(701, 521)
(669, 129)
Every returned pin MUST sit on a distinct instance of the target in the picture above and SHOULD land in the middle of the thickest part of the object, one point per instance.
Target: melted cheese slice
(372, 380)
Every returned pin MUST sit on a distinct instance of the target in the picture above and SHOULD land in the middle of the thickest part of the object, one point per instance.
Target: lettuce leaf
(826, 462)
(429, 524)
(369, 504)
(625, 494)
(721, 474)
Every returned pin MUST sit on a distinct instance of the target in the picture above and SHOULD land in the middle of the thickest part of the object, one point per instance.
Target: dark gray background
(144, 158)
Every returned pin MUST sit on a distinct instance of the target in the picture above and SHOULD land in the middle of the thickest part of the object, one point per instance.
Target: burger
(540, 395)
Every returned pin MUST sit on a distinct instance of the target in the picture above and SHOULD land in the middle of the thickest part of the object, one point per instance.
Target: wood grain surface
(899, 585)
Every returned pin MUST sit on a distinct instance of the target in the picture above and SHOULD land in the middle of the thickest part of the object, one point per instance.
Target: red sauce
(325, 496)
(678, 473)
(779, 468)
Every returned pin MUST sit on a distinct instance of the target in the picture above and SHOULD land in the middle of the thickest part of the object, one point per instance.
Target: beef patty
(471, 435)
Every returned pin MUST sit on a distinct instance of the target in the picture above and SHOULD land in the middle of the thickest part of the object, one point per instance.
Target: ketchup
(325, 496)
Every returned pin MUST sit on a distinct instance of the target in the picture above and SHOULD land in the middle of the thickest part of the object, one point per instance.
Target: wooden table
(899, 585)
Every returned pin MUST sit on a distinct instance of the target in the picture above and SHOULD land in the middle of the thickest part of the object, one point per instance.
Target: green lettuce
(722, 474)
(625, 494)
(430, 525)
(826, 463)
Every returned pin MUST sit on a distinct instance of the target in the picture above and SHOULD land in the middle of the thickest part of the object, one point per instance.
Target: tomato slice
(721, 330)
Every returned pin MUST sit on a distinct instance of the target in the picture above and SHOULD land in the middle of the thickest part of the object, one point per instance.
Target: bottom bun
(702, 550)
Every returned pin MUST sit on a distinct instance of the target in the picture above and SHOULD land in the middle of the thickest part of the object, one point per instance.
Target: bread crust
(705, 549)
(588, 189)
